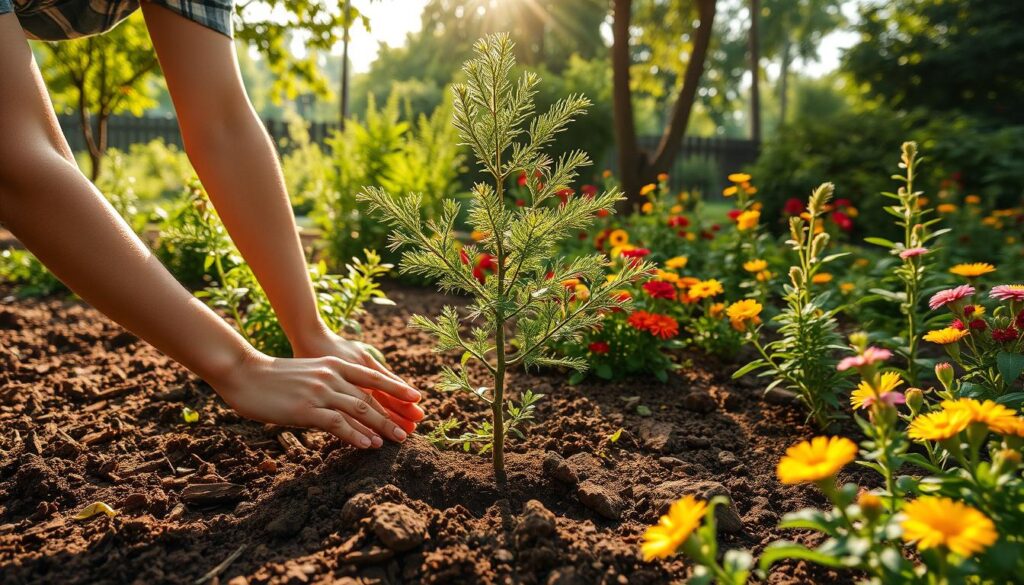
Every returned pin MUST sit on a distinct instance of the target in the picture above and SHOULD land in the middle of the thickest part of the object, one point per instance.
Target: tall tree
(755, 71)
(100, 76)
(671, 28)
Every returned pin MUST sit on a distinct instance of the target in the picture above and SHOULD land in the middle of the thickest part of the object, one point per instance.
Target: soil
(89, 413)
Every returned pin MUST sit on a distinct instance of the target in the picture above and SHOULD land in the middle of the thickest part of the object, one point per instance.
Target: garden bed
(92, 414)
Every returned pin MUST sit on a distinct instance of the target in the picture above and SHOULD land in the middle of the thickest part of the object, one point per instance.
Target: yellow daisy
(865, 393)
(755, 265)
(815, 460)
(938, 426)
(706, 289)
(676, 262)
(941, 522)
(973, 269)
(946, 336)
(673, 529)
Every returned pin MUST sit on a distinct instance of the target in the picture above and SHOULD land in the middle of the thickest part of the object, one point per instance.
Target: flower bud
(915, 398)
(870, 505)
(944, 372)
(859, 340)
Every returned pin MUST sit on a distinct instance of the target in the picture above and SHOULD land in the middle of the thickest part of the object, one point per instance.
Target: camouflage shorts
(57, 20)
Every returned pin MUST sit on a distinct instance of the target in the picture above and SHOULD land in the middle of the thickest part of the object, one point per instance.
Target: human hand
(325, 343)
(326, 393)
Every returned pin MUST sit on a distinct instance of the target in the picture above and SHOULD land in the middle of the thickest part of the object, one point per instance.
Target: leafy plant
(27, 274)
(803, 358)
(519, 309)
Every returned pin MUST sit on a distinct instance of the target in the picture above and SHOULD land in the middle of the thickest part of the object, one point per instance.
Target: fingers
(373, 379)
(406, 410)
(341, 426)
(363, 408)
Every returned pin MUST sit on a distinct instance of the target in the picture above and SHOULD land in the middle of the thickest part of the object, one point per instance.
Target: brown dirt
(89, 413)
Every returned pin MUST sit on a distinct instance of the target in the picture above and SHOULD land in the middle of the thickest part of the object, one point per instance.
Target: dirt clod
(601, 499)
(398, 526)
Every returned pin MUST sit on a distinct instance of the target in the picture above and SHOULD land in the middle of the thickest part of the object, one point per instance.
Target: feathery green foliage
(522, 309)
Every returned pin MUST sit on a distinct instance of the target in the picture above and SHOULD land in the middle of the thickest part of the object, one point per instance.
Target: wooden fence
(703, 163)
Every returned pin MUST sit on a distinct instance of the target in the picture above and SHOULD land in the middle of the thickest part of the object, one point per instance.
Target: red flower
(1020, 320)
(679, 221)
(599, 347)
(957, 324)
(707, 235)
(486, 262)
(734, 213)
(969, 310)
(589, 191)
(979, 325)
(659, 289)
(793, 206)
(1005, 335)
(564, 195)
(463, 256)
(522, 179)
(639, 320)
(681, 233)
(842, 220)
(635, 253)
(715, 227)
(661, 326)
(520, 203)
(843, 203)
(478, 274)
(602, 213)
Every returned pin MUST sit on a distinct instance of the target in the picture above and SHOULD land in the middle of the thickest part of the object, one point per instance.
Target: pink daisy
(950, 295)
(870, 356)
(912, 252)
(1008, 292)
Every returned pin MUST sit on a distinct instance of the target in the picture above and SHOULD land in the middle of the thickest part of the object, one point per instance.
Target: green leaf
(748, 368)
(614, 437)
(189, 416)
(577, 377)
(782, 549)
(880, 242)
(643, 410)
(1010, 366)
(604, 371)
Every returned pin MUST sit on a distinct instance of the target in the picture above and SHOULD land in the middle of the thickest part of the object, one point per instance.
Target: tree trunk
(755, 72)
(784, 83)
(91, 145)
(344, 65)
(630, 163)
(635, 166)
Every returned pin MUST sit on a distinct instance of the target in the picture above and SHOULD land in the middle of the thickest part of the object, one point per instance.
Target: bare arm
(237, 163)
(61, 217)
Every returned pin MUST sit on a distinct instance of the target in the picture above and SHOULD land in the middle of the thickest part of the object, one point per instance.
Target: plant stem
(497, 407)
(239, 324)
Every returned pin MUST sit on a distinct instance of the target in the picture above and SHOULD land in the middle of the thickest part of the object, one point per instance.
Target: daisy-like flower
(945, 208)
(740, 178)
(743, 312)
(973, 269)
(706, 289)
(934, 522)
(865, 394)
(635, 253)
(913, 252)
(815, 460)
(938, 426)
(871, 355)
(676, 262)
(1005, 335)
(716, 310)
(659, 289)
(747, 220)
(950, 296)
(946, 336)
(1008, 292)
(647, 188)
(996, 417)
(663, 326)
(673, 529)
(755, 265)
(618, 238)
(821, 278)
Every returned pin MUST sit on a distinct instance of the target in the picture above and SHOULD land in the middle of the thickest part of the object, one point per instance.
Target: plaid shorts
(58, 20)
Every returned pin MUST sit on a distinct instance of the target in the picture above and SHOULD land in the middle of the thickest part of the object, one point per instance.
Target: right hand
(329, 394)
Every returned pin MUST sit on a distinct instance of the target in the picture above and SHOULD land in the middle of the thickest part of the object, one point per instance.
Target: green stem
(232, 306)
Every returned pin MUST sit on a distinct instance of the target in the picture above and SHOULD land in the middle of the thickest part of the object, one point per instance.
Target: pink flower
(1007, 292)
(889, 398)
(950, 296)
(912, 252)
(871, 355)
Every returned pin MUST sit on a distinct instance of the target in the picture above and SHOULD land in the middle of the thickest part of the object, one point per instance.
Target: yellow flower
(865, 392)
(570, 282)
(946, 336)
(758, 206)
(647, 207)
(706, 289)
(716, 310)
(676, 209)
(662, 177)
(852, 211)
(846, 287)
(667, 276)
(676, 262)
(945, 208)
(821, 278)
(755, 265)
(941, 522)
(673, 529)
(647, 188)
(862, 262)
(972, 270)
(478, 235)
(996, 417)
(618, 238)
(748, 220)
(972, 199)
(764, 276)
(607, 173)
(739, 178)
(730, 191)
(742, 312)
(582, 292)
(815, 460)
(938, 426)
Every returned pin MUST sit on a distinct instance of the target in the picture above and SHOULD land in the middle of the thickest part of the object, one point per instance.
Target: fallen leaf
(93, 509)
(189, 415)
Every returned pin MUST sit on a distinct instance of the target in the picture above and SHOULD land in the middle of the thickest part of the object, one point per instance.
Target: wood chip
(369, 556)
(147, 467)
(212, 493)
(116, 391)
(291, 444)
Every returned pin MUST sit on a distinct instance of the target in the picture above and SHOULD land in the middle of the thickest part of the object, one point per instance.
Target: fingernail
(377, 441)
(364, 442)
(400, 434)
(415, 394)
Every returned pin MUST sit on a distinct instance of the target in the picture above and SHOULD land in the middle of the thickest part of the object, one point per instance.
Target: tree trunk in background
(344, 66)
(755, 72)
(784, 82)
(637, 167)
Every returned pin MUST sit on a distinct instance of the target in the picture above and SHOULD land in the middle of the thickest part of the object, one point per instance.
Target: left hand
(328, 344)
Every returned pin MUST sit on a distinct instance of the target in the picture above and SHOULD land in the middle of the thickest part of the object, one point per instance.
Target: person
(331, 384)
